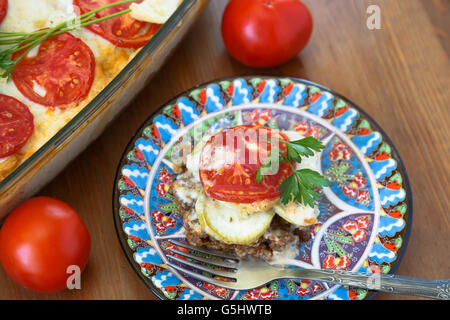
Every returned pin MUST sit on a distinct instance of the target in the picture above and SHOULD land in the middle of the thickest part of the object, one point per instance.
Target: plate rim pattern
(123, 237)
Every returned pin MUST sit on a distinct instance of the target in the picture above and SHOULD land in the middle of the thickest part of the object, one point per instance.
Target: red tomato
(16, 125)
(63, 70)
(39, 240)
(230, 159)
(123, 31)
(266, 33)
(3, 9)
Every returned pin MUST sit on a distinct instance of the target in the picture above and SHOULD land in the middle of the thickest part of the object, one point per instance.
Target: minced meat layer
(277, 237)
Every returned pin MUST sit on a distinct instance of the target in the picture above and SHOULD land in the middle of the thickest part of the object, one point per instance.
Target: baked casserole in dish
(65, 90)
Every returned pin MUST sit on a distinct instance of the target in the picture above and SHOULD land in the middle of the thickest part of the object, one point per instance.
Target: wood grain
(400, 75)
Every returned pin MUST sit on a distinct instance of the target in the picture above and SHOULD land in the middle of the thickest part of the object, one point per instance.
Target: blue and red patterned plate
(364, 215)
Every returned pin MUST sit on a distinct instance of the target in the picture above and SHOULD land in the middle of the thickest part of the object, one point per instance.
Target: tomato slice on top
(3, 9)
(16, 125)
(61, 73)
(230, 159)
(122, 31)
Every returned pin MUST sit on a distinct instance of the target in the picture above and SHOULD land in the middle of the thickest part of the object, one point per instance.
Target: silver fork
(231, 272)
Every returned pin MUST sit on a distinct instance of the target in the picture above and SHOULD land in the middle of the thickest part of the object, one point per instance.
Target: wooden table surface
(400, 75)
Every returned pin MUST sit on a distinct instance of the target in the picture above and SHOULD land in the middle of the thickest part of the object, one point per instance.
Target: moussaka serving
(179, 183)
(226, 204)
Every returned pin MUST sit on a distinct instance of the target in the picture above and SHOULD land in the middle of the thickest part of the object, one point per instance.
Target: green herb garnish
(301, 184)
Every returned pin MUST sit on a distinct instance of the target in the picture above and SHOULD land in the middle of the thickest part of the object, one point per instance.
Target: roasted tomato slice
(230, 159)
(3, 9)
(61, 73)
(16, 125)
(122, 31)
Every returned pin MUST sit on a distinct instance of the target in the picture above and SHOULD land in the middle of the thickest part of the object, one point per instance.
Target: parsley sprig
(301, 184)
(12, 42)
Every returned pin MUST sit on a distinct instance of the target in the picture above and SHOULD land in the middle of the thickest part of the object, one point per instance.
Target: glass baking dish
(87, 125)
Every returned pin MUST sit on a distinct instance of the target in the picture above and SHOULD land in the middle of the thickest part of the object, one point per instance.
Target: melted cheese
(193, 159)
(155, 11)
(312, 163)
(297, 214)
(30, 15)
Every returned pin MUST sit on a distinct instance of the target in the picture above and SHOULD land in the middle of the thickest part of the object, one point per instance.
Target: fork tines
(203, 264)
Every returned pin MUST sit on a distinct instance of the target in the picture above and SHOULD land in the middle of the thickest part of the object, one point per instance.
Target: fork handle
(436, 289)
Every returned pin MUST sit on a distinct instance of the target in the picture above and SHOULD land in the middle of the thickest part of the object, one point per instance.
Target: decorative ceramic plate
(364, 215)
